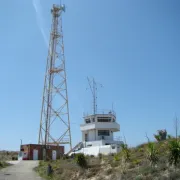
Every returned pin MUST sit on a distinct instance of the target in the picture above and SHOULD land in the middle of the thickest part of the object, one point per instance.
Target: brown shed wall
(30, 147)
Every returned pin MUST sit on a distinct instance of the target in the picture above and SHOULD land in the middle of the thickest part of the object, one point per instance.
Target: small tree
(162, 134)
(157, 137)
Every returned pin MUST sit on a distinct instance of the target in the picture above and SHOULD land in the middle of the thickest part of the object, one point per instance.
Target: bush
(139, 177)
(116, 157)
(72, 156)
(174, 148)
(162, 134)
(81, 160)
(152, 154)
(65, 156)
(141, 150)
(125, 152)
(136, 162)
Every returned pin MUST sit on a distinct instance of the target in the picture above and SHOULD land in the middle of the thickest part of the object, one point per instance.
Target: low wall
(95, 150)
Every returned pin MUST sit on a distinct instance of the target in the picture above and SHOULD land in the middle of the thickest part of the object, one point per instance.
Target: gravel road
(22, 170)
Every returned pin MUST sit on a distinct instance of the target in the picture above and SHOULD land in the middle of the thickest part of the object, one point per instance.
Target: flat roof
(39, 145)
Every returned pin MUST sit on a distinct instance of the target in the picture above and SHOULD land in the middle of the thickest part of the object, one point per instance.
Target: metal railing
(103, 111)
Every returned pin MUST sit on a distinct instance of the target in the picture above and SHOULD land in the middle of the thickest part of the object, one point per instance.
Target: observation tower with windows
(98, 131)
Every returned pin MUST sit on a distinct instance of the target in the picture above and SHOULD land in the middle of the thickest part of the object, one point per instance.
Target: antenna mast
(55, 121)
(93, 88)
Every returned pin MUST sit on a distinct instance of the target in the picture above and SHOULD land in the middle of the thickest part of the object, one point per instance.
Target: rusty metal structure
(55, 122)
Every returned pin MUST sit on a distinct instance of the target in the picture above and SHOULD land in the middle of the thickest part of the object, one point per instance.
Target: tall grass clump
(174, 152)
(152, 154)
(125, 152)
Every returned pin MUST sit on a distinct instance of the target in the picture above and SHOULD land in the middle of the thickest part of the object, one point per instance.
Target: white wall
(91, 151)
(94, 143)
(98, 125)
(99, 149)
(91, 135)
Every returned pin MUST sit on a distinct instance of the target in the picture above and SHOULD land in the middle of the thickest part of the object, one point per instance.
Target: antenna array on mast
(93, 88)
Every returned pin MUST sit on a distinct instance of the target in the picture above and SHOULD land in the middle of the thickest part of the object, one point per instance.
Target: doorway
(54, 154)
(35, 154)
(86, 137)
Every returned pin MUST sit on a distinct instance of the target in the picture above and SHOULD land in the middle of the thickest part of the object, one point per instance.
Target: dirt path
(20, 171)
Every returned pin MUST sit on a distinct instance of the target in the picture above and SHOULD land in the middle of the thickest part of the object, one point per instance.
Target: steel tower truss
(55, 122)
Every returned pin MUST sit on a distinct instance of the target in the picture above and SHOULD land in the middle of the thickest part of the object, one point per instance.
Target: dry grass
(8, 155)
(110, 167)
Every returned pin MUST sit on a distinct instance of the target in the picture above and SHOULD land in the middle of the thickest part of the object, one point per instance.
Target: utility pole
(55, 121)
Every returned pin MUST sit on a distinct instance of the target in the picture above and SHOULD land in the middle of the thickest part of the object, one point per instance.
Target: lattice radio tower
(55, 122)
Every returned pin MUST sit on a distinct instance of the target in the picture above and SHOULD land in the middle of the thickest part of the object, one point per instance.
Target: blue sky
(131, 47)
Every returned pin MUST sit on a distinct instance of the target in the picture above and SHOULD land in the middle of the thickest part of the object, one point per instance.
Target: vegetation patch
(153, 160)
(3, 164)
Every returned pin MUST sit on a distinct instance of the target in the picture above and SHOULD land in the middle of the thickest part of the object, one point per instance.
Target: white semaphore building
(98, 131)
(98, 135)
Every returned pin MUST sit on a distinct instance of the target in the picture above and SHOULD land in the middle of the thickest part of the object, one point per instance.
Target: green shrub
(157, 137)
(162, 134)
(81, 160)
(41, 163)
(136, 162)
(65, 156)
(116, 157)
(141, 150)
(139, 177)
(174, 148)
(152, 153)
(125, 152)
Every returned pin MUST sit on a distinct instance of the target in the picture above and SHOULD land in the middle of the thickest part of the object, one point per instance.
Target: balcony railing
(103, 111)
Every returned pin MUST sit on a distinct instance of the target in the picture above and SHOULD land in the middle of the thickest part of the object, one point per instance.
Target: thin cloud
(40, 21)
